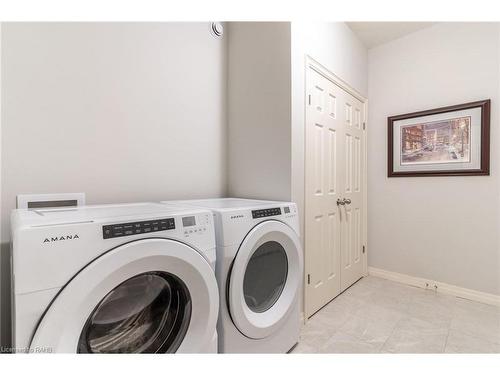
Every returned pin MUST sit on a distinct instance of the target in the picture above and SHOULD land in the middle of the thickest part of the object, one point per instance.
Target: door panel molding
(322, 70)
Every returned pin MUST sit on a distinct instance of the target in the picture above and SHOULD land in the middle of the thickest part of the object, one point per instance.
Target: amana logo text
(237, 216)
(61, 238)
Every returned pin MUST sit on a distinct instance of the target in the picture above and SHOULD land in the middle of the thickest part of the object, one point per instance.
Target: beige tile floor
(381, 316)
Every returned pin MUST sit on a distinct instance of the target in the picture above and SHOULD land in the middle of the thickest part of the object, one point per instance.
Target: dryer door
(147, 296)
(265, 279)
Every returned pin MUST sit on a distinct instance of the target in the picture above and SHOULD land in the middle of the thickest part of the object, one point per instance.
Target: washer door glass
(265, 276)
(148, 313)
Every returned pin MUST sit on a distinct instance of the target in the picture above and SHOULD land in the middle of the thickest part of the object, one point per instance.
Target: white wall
(259, 138)
(440, 228)
(123, 112)
(338, 49)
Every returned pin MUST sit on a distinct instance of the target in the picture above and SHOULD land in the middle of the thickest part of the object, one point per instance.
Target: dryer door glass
(265, 276)
(148, 313)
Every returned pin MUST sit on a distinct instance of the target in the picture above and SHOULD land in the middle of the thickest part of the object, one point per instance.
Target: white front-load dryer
(130, 278)
(259, 269)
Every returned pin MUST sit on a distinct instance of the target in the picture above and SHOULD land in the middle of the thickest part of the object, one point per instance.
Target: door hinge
(309, 99)
(364, 125)
(364, 250)
(308, 278)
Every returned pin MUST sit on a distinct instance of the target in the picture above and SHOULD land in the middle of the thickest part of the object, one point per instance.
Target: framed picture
(448, 141)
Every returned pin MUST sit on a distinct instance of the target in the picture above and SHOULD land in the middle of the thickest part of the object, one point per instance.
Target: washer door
(265, 279)
(147, 296)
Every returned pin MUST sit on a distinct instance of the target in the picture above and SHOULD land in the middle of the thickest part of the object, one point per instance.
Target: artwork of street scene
(446, 141)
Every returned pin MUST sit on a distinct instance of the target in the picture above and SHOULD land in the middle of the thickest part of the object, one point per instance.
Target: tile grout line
(446, 341)
(403, 315)
(449, 326)
(392, 332)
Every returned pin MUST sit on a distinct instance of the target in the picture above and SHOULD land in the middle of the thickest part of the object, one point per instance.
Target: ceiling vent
(217, 29)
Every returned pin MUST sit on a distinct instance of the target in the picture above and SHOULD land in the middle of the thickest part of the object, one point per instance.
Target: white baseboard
(457, 291)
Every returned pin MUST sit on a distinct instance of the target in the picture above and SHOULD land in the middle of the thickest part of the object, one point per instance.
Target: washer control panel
(256, 214)
(139, 227)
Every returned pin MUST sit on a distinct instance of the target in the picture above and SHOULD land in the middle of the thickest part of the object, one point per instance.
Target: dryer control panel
(256, 214)
(139, 227)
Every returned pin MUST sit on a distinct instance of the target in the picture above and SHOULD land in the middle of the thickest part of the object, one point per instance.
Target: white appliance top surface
(47, 216)
(225, 203)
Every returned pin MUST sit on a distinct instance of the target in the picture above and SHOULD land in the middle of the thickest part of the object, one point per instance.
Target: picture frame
(446, 141)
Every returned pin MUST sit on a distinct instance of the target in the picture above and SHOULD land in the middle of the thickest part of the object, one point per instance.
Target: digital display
(188, 221)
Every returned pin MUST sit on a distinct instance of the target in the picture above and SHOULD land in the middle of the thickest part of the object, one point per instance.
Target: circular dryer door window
(265, 276)
(148, 313)
(265, 279)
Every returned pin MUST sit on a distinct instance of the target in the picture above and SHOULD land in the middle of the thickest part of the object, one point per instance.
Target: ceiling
(375, 33)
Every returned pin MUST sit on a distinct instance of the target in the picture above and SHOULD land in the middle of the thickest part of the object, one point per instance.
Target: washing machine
(129, 278)
(259, 270)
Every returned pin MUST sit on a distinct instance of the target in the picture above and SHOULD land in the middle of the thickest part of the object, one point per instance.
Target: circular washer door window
(265, 276)
(148, 313)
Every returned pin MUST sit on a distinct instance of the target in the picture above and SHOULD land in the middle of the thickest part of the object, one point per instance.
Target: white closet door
(324, 151)
(351, 191)
(334, 205)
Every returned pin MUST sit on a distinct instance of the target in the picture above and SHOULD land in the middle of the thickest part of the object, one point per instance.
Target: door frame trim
(325, 72)
(315, 65)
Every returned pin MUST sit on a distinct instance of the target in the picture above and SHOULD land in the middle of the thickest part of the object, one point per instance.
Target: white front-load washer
(259, 269)
(130, 278)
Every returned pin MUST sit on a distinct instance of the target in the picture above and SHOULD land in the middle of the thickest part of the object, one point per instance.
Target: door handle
(340, 202)
(347, 201)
